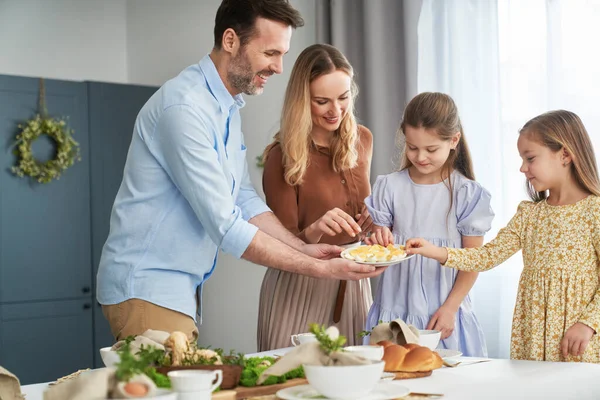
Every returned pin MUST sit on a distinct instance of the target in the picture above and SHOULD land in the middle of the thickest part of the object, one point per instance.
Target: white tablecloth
(492, 380)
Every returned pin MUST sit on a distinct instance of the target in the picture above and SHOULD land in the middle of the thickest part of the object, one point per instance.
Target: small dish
(446, 353)
(382, 391)
(388, 376)
(109, 357)
(370, 352)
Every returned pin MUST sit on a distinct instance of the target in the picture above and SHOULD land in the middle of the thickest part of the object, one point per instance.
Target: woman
(315, 180)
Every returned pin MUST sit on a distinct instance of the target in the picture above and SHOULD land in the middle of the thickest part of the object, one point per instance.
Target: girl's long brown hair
(560, 130)
(438, 112)
(296, 120)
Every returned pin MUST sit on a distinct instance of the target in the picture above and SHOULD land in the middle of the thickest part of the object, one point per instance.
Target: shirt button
(348, 203)
(343, 181)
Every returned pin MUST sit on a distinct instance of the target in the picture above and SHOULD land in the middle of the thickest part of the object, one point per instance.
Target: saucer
(382, 391)
(446, 353)
(388, 376)
(163, 394)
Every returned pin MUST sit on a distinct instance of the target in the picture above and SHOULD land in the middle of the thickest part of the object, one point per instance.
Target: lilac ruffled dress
(414, 289)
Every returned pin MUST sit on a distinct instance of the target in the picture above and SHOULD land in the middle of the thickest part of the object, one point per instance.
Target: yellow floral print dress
(559, 285)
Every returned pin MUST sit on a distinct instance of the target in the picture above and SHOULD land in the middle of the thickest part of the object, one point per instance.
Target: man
(186, 191)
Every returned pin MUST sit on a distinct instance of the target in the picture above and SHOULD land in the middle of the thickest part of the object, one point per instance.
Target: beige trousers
(135, 316)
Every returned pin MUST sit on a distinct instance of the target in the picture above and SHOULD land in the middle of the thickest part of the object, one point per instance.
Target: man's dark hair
(241, 15)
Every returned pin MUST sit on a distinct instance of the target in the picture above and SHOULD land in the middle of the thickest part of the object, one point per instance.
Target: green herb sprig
(363, 334)
(143, 362)
(256, 365)
(328, 344)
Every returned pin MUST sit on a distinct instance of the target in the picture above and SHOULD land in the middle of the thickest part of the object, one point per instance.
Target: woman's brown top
(297, 207)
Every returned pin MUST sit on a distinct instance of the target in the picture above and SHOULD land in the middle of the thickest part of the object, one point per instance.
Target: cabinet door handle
(86, 289)
(87, 306)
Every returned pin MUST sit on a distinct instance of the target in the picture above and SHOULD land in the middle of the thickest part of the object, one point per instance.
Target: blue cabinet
(40, 342)
(51, 235)
(44, 229)
(113, 110)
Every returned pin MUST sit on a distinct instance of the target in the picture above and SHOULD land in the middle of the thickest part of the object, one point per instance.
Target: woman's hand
(576, 339)
(426, 249)
(334, 222)
(365, 222)
(443, 320)
(380, 235)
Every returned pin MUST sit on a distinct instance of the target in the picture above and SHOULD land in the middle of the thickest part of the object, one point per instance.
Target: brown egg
(136, 389)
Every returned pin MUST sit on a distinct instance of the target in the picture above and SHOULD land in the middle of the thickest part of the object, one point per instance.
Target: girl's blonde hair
(560, 130)
(438, 112)
(296, 119)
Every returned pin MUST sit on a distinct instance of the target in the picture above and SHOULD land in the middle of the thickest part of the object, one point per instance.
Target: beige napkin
(396, 331)
(10, 388)
(91, 385)
(148, 338)
(311, 354)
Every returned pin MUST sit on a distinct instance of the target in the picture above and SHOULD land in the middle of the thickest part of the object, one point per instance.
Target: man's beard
(241, 76)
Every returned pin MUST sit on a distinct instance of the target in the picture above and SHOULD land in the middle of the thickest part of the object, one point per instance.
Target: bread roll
(409, 357)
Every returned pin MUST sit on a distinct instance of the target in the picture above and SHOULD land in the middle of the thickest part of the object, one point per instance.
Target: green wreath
(67, 149)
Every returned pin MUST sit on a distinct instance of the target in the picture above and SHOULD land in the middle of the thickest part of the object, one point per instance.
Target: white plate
(446, 353)
(344, 254)
(162, 394)
(383, 391)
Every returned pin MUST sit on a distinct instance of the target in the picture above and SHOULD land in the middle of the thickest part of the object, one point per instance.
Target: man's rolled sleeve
(238, 237)
(248, 200)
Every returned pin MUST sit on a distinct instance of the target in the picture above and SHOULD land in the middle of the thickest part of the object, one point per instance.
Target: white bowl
(344, 382)
(429, 338)
(370, 352)
(109, 357)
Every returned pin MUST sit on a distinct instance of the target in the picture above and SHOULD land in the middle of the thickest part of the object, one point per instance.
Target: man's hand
(380, 235)
(576, 339)
(443, 320)
(342, 269)
(322, 251)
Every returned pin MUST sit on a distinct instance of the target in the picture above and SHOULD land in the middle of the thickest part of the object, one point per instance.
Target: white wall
(164, 37)
(64, 39)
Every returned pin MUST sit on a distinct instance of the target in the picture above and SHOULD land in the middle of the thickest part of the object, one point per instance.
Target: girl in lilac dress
(433, 196)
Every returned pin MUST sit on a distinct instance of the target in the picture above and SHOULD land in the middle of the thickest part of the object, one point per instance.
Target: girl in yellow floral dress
(557, 314)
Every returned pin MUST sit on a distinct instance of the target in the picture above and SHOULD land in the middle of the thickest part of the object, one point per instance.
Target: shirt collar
(217, 87)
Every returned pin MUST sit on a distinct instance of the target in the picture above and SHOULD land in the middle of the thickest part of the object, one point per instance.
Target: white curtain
(504, 62)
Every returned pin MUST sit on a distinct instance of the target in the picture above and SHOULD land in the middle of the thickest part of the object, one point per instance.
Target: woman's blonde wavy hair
(558, 130)
(296, 119)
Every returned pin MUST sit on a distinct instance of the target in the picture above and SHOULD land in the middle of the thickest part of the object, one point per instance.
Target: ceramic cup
(302, 338)
(195, 384)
